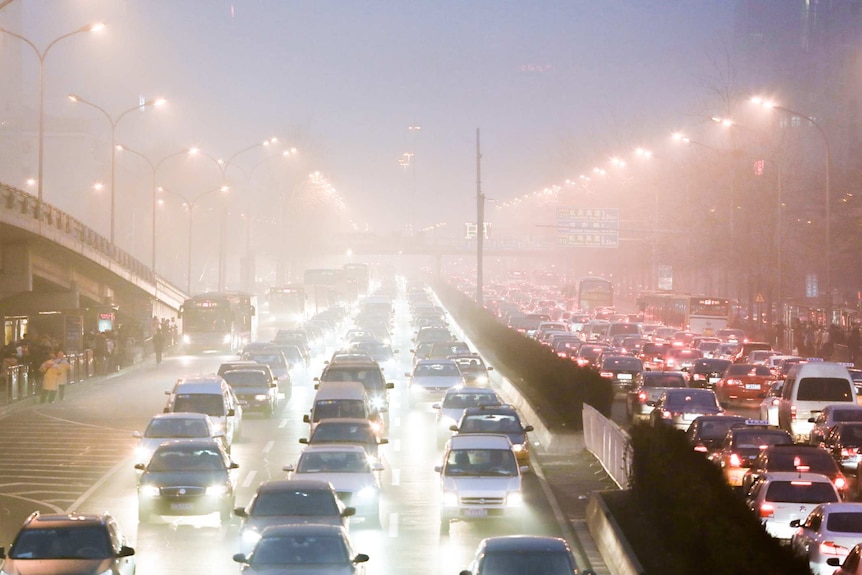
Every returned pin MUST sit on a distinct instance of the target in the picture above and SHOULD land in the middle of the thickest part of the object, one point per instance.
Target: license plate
(714, 379)
(689, 416)
(624, 376)
(475, 513)
(181, 506)
(752, 386)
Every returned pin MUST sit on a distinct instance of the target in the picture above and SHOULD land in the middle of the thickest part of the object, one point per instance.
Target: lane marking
(282, 423)
(249, 478)
(268, 447)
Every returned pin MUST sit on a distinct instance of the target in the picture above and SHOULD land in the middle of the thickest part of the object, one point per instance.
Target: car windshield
(351, 432)
(630, 363)
(333, 462)
(824, 389)
(490, 423)
(177, 428)
(268, 359)
(527, 562)
(481, 462)
(208, 403)
(311, 503)
(470, 364)
(756, 439)
(844, 522)
(465, 400)
(299, 550)
(339, 408)
(367, 377)
(817, 461)
(663, 380)
(246, 378)
(741, 369)
(78, 542)
(717, 428)
(801, 492)
(847, 415)
(689, 401)
(177, 458)
(436, 370)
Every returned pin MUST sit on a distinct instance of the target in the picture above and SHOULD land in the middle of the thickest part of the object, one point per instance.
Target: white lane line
(396, 477)
(249, 478)
(393, 524)
(282, 423)
(268, 447)
(396, 444)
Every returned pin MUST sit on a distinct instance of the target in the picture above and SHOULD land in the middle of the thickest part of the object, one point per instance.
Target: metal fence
(16, 382)
(609, 443)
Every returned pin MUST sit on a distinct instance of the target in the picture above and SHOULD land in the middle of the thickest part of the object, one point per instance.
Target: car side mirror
(233, 465)
(834, 562)
(796, 523)
(435, 406)
(406, 374)
(140, 466)
(489, 368)
(316, 379)
(348, 512)
(453, 428)
(377, 466)
(465, 572)
(136, 434)
(360, 558)
(240, 512)
(303, 440)
(528, 428)
(306, 419)
(650, 403)
(390, 385)
(167, 393)
(231, 412)
(383, 442)
(524, 468)
(811, 420)
(438, 468)
(126, 551)
(288, 468)
(240, 558)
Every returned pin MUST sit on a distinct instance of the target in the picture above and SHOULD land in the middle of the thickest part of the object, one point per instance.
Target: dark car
(473, 368)
(498, 419)
(293, 501)
(621, 370)
(844, 442)
(255, 388)
(796, 457)
(649, 386)
(707, 432)
(741, 447)
(69, 543)
(652, 354)
(517, 554)
(346, 430)
(187, 478)
(706, 372)
(747, 347)
(679, 407)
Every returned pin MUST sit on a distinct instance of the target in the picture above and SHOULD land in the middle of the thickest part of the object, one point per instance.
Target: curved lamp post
(113, 123)
(42, 54)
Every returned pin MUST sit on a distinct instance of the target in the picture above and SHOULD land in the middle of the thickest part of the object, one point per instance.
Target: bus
(329, 287)
(595, 293)
(287, 305)
(223, 322)
(702, 315)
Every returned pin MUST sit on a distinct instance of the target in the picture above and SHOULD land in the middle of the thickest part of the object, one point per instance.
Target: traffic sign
(588, 227)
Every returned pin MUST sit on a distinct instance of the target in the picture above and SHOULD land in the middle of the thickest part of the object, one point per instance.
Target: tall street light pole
(113, 123)
(827, 200)
(42, 55)
(414, 129)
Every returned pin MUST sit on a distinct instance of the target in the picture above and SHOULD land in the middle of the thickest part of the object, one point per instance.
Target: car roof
(490, 409)
(796, 476)
(333, 447)
(309, 529)
(62, 519)
(480, 441)
(460, 389)
(180, 415)
(524, 543)
(343, 421)
(435, 361)
(294, 484)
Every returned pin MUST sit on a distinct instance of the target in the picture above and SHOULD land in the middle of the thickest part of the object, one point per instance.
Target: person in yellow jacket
(51, 375)
(62, 363)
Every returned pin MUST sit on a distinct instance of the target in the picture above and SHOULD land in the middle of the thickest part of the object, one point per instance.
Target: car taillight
(700, 448)
(666, 414)
(698, 377)
(735, 461)
(775, 402)
(766, 510)
(792, 413)
(561, 354)
(607, 374)
(840, 483)
(848, 452)
(642, 397)
(734, 382)
(582, 362)
(832, 548)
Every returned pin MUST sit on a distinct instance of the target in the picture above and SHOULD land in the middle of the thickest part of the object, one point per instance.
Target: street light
(42, 54)
(827, 200)
(414, 129)
(114, 122)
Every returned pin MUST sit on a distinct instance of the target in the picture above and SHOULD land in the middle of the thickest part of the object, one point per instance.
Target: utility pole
(480, 222)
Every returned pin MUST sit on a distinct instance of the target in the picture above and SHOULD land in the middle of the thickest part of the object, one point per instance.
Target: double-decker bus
(287, 305)
(218, 321)
(595, 293)
(699, 314)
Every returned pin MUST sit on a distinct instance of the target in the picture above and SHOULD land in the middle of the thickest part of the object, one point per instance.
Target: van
(808, 388)
(621, 328)
(340, 399)
(209, 394)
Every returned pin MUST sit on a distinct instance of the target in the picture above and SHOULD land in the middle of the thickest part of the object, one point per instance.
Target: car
(743, 383)
(829, 416)
(456, 400)
(761, 356)
(352, 431)
(351, 472)
(209, 394)
(621, 370)
(167, 426)
(808, 389)
(473, 368)
(292, 354)
(707, 371)
(480, 480)
(432, 377)
(680, 358)
(370, 375)
(649, 386)
(302, 549)
(829, 532)
(274, 358)
(792, 458)
(852, 564)
(501, 419)
(652, 354)
(194, 477)
(706, 433)
(745, 349)
(255, 388)
(774, 363)
(731, 335)
(726, 351)
(679, 407)
(777, 498)
(567, 347)
(519, 554)
(769, 405)
(589, 355)
(741, 446)
(69, 543)
(290, 501)
(844, 442)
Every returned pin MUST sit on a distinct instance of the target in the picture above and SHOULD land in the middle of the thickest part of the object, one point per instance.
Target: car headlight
(446, 422)
(149, 491)
(186, 338)
(378, 402)
(481, 379)
(518, 447)
(217, 490)
(260, 397)
(142, 455)
(250, 537)
(367, 492)
(514, 499)
(450, 499)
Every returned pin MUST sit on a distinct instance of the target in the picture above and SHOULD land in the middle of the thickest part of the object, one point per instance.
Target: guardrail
(609, 443)
(16, 383)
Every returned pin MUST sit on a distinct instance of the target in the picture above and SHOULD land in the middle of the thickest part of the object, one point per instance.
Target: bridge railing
(63, 228)
(609, 443)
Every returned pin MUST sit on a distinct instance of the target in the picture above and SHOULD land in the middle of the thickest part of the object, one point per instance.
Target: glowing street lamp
(41, 55)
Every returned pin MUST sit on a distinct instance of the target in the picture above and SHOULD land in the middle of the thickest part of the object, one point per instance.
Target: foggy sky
(553, 85)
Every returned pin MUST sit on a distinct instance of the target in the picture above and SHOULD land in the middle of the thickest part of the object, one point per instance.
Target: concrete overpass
(58, 276)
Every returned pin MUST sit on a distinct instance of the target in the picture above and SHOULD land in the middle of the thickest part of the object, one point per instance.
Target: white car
(433, 377)
(457, 399)
(829, 531)
(769, 405)
(480, 480)
(784, 496)
(173, 426)
(351, 472)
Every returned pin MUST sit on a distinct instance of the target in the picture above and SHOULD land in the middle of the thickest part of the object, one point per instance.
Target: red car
(744, 383)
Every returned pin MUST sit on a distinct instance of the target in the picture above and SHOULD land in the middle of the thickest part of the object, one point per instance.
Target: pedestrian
(62, 364)
(50, 379)
(853, 343)
(158, 345)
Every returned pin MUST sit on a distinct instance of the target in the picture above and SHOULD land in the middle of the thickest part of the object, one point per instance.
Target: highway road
(76, 456)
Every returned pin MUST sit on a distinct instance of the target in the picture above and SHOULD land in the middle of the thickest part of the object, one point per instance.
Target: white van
(808, 389)
(209, 394)
(340, 399)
